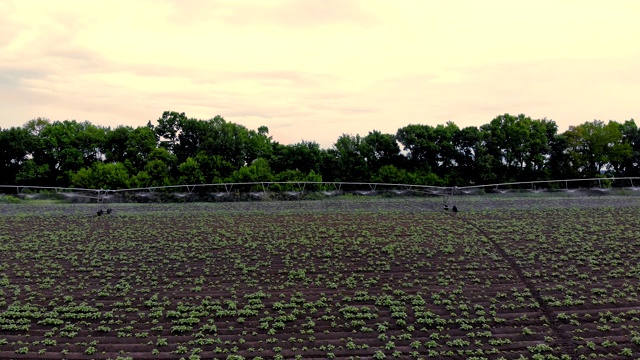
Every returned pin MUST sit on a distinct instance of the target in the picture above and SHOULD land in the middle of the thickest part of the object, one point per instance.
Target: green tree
(472, 163)
(216, 136)
(193, 136)
(68, 146)
(294, 176)
(629, 165)
(139, 146)
(419, 143)
(102, 176)
(231, 142)
(258, 144)
(257, 171)
(158, 170)
(31, 173)
(305, 156)
(117, 144)
(35, 126)
(559, 164)
(430, 149)
(594, 147)
(350, 160)
(155, 173)
(214, 168)
(181, 149)
(445, 156)
(190, 172)
(381, 150)
(391, 175)
(16, 147)
(518, 146)
(168, 128)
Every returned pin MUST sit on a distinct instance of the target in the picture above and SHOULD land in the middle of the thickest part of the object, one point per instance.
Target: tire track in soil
(566, 343)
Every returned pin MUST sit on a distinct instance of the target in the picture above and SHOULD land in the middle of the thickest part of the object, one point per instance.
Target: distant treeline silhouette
(182, 150)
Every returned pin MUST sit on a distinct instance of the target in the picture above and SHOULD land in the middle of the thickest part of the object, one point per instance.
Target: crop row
(319, 284)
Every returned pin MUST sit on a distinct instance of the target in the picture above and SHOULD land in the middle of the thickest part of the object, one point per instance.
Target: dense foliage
(182, 150)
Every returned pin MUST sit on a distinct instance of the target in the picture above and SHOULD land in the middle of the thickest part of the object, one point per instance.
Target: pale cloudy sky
(314, 69)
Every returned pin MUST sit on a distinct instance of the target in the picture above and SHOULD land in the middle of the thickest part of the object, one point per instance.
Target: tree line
(182, 150)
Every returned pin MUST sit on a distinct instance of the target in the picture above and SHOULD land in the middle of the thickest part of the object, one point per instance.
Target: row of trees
(182, 150)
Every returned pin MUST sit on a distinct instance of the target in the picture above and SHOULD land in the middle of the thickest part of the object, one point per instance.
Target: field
(513, 278)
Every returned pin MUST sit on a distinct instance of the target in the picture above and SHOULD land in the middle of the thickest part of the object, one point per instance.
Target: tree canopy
(182, 150)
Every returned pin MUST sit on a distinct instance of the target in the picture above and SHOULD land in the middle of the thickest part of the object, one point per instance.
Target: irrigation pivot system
(590, 186)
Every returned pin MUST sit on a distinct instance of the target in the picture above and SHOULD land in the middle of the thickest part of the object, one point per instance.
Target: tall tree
(215, 137)
(257, 171)
(630, 165)
(16, 148)
(159, 170)
(67, 146)
(190, 172)
(381, 150)
(35, 126)
(559, 164)
(139, 146)
(443, 137)
(102, 176)
(168, 128)
(594, 147)
(350, 160)
(430, 149)
(117, 144)
(305, 156)
(468, 152)
(418, 142)
(518, 146)
(214, 167)
(258, 144)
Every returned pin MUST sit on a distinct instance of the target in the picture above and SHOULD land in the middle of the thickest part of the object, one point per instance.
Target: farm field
(506, 277)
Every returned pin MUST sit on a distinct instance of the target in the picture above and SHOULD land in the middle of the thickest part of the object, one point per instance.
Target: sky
(316, 69)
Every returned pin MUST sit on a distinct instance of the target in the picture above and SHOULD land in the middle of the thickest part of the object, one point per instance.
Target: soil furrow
(566, 343)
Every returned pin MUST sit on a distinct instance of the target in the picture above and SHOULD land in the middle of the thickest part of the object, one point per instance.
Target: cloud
(568, 91)
(284, 13)
(314, 69)
(10, 27)
(298, 106)
(12, 77)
